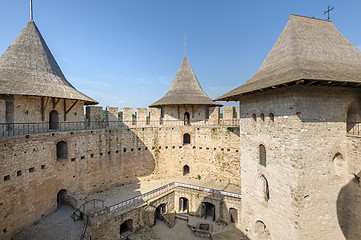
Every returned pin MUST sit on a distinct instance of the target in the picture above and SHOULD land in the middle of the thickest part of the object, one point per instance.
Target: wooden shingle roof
(185, 89)
(310, 50)
(28, 68)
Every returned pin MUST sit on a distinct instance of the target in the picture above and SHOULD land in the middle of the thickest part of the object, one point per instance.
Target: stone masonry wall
(302, 136)
(101, 159)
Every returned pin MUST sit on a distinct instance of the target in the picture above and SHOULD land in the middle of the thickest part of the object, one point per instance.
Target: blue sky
(126, 53)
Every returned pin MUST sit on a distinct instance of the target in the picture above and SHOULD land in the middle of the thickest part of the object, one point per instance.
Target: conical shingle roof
(28, 68)
(185, 89)
(307, 49)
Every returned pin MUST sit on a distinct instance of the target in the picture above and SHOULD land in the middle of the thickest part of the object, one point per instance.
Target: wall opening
(53, 120)
(61, 197)
(261, 231)
(264, 188)
(186, 170)
(352, 119)
(262, 116)
(186, 138)
(159, 212)
(208, 211)
(186, 118)
(126, 228)
(61, 151)
(262, 155)
(233, 215)
(272, 117)
(339, 165)
(183, 204)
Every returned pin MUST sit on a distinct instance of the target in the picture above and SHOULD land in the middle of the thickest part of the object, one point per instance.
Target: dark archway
(208, 211)
(187, 119)
(53, 120)
(264, 188)
(159, 212)
(183, 204)
(233, 215)
(352, 119)
(186, 170)
(61, 197)
(126, 228)
(61, 151)
(186, 138)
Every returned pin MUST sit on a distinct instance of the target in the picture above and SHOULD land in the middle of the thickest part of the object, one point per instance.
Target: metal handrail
(141, 199)
(353, 128)
(16, 129)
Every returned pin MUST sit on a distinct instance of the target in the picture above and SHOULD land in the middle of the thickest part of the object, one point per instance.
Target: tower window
(61, 151)
(186, 138)
(262, 155)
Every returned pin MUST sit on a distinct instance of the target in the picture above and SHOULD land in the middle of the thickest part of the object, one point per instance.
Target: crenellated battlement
(142, 117)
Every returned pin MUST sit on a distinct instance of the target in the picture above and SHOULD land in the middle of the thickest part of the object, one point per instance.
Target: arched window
(254, 117)
(272, 117)
(186, 170)
(264, 188)
(262, 155)
(352, 119)
(61, 151)
(187, 118)
(339, 165)
(186, 138)
(183, 204)
(262, 116)
(53, 120)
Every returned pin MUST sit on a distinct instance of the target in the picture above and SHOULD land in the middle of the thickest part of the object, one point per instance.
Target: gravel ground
(56, 226)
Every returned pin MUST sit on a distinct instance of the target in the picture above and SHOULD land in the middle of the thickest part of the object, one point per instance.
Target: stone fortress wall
(311, 162)
(99, 159)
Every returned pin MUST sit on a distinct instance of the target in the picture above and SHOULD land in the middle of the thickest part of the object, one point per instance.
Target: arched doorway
(209, 211)
(61, 197)
(186, 170)
(126, 228)
(159, 212)
(261, 231)
(186, 138)
(183, 204)
(53, 120)
(233, 215)
(187, 119)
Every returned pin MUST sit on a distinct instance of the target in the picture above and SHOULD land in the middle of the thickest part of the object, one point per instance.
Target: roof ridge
(313, 18)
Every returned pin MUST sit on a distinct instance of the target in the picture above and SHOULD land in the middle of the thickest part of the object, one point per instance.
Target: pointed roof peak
(307, 49)
(185, 89)
(28, 68)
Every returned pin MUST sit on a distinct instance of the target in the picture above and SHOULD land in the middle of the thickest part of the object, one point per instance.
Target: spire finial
(185, 44)
(31, 9)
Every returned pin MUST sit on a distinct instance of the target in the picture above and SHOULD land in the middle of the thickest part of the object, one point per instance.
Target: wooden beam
(71, 107)
(44, 104)
(312, 82)
(194, 109)
(56, 102)
(178, 111)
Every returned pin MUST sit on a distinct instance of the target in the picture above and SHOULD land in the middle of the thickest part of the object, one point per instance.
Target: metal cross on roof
(329, 9)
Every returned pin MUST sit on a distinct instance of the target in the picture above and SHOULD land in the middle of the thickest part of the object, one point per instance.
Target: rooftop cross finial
(31, 9)
(185, 45)
(329, 9)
